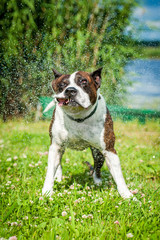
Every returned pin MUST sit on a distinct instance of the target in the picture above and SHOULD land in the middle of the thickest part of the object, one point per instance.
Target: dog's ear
(56, 74)
(96, 75)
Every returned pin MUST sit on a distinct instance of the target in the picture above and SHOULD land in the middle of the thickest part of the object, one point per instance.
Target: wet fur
(95, 131)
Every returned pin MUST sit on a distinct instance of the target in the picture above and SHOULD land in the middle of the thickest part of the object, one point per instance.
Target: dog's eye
(61, 86)
(83, 81)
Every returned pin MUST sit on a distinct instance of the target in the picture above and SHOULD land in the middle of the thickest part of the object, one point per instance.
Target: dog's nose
(70, 92)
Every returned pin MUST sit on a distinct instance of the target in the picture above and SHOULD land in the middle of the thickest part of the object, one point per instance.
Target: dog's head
(78, 90)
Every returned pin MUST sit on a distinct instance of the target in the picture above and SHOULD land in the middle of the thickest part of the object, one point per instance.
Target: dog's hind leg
(98, 163)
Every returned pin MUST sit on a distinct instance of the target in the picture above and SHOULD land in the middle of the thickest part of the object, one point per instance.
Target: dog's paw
(97, 181)
(47, 192)
(128, 195)
(125, 193)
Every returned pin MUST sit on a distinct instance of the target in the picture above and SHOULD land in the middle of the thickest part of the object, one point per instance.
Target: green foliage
(91, 212)
(37, 35)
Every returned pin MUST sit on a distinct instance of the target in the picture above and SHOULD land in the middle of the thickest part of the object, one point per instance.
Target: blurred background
(38, 35)
(144, 72)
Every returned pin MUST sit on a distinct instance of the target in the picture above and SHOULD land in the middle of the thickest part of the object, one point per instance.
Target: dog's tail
(50, 105)
(91, 168)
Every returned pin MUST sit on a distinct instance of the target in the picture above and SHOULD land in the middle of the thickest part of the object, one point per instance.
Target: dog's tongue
(62, 101)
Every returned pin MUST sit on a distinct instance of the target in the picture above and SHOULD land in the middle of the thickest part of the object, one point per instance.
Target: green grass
(149, 52)
(91, 212)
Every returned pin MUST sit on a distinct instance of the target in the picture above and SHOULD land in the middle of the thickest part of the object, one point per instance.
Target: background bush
(37, 35)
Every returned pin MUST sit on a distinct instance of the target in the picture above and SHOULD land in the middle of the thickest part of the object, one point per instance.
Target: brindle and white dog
(81, 120)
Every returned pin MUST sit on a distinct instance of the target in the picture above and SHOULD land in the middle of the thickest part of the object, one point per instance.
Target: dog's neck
(85, 113)
(84, 118)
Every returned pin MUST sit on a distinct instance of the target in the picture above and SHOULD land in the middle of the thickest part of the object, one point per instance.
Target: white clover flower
(8, 183)
(64, 213)
(30, 165)
(135, 191)
(59, 194)
(67, 160)
(116, 222)
(84, 216)
(13, 238)
(14, 224)
(129, 235)
(76, 201)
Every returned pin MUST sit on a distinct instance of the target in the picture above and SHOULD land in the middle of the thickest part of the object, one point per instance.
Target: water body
(145, 77)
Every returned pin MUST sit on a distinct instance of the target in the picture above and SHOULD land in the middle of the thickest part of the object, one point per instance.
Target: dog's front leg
(114, 166)
(54, 158)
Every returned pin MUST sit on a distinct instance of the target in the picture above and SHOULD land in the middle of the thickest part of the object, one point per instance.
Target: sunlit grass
(78, 209)
(151, 52)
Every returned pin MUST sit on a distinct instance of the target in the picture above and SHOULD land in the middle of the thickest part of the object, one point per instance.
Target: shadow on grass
(84, 179)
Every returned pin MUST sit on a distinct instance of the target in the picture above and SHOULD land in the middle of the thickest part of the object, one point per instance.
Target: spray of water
(69, 36)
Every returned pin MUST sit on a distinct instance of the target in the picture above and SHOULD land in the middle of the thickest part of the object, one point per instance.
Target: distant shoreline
(150, 52)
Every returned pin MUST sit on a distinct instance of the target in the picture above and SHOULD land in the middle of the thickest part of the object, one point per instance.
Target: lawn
(78, 209)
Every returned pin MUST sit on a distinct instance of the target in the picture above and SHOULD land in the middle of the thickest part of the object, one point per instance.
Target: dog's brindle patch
(50, 126)
(109, 137)
(56, 82)
(98, 161)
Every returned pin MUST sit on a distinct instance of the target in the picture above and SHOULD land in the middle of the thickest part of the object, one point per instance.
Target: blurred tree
(36, 35)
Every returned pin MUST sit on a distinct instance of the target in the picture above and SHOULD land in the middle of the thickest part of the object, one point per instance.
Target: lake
(145, 89)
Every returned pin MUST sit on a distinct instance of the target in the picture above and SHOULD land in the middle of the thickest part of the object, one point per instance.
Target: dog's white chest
(81, 136)
(76, 135)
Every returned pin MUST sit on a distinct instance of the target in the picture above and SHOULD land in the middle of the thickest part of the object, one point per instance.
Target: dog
(81, 120)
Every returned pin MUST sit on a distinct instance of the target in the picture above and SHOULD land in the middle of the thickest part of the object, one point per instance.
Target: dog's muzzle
(69, 98)
(70, 92)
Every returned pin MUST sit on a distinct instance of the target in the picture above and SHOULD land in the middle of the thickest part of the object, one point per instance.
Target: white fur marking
(82, 97)
(58, 175)
(53, 163)
(114, 166)
(97, 181)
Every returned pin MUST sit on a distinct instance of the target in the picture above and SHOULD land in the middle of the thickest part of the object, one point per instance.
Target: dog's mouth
(67, 102)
